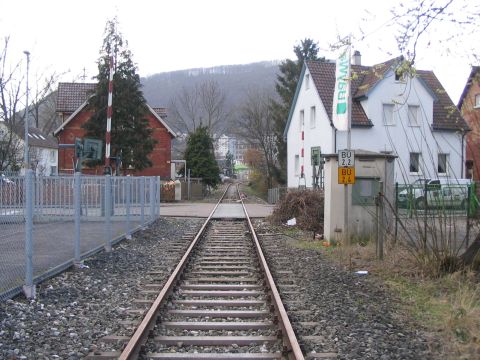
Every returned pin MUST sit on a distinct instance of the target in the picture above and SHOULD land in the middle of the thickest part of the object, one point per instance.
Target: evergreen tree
(200, 157)
(131, 136)
(285, 86)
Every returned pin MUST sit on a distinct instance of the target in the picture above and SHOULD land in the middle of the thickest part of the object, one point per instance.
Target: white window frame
(301, 120)
(413, 120)
(313, 117)
(477, 101)
(307, 81)
(418, 162)
(446, 155)
(392, 121)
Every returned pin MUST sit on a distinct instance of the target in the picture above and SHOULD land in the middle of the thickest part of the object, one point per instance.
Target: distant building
(43, 149)
(223, 145)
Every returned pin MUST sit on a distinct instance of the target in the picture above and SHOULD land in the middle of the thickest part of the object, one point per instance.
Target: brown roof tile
(445, 114)
(71, 95)
(323, 75)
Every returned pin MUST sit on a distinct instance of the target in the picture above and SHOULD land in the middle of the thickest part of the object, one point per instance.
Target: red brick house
(72, 101)
(469, 105)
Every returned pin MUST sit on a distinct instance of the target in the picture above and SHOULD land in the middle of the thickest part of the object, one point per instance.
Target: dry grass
(446, 307)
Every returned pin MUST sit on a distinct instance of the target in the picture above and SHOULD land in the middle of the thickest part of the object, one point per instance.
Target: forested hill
(233, 80)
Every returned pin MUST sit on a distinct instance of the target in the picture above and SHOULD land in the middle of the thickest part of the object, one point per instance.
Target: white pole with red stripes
(302, 151)
(109, 116)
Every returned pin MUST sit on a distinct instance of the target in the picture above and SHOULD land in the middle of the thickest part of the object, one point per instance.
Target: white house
(412, 118)
(43, 151)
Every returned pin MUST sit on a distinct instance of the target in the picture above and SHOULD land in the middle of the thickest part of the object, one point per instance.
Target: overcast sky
(179, 34)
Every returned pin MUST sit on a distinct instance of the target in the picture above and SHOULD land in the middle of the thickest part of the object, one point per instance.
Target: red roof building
(72, 108)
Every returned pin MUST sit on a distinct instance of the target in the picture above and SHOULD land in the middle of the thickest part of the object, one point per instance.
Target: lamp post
(26, 159)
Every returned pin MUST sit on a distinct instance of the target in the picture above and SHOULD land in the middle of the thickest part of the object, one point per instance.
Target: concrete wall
(361, 217)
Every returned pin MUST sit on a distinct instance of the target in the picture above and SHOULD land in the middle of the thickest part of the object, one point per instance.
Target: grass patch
(446, 308)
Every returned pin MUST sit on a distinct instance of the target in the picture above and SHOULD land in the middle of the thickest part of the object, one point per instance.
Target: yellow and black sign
(346, 175)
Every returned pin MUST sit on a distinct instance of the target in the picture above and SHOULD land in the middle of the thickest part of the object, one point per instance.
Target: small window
(388, 114)
(413, 115)
(302, 120)
(315, 155)
(365, 190)
(297, 165)
(477, 101)
(414, 162)
(442, 164)
(307, 81)
(312, 117)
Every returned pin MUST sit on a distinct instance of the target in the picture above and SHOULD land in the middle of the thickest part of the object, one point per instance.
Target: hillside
(234, 80)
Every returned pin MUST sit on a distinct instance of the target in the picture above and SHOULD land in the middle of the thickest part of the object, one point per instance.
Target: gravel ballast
(359, 319)
(77, 308)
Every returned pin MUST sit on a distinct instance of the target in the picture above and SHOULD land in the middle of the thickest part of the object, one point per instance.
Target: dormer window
(477, 101)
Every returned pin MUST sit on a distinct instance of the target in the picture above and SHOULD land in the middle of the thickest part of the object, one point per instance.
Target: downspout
(334, 139)
(463, 152)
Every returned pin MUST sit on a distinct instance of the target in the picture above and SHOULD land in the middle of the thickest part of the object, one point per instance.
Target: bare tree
(256, 126)
(202, 105)
(42, 106)
(10, 96)
(420, 24)
(12, 106)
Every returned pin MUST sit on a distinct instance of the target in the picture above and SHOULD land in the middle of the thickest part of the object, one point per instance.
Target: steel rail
(287, 330)
(133, 347)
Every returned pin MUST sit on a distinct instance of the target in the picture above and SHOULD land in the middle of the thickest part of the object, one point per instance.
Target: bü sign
(346, 175)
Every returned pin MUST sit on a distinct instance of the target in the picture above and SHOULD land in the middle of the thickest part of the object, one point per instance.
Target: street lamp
(25, 157)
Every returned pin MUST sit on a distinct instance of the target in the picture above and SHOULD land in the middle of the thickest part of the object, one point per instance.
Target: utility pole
(26, 159)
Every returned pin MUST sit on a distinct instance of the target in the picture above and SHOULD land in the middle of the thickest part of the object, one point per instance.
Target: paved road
(203, 209)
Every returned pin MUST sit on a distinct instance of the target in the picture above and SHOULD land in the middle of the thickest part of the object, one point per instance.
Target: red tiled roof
(71, 95)
(445, 114)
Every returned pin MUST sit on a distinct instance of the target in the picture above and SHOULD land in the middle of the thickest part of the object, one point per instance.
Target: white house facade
(411, 118)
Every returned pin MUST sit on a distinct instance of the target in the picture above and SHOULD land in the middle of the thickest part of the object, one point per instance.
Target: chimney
(357, 58)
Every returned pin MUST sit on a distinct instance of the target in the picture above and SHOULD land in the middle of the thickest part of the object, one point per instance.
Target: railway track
(220, 302)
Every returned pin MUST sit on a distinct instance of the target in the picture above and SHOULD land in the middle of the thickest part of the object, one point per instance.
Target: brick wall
(160, 156)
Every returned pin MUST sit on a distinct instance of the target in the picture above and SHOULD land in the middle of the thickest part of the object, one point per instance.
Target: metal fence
(276, 194)
(436, 199)
(49, 223)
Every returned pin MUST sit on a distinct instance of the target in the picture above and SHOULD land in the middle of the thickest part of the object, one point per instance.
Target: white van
(446, 193)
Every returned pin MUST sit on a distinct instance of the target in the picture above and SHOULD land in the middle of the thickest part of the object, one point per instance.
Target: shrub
(304, 205)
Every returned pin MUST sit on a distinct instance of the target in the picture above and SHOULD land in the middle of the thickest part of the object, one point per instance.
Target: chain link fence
(49, 223)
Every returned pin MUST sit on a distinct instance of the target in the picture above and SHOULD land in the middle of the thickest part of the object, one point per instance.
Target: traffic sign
(346, 158)
(346, 175)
